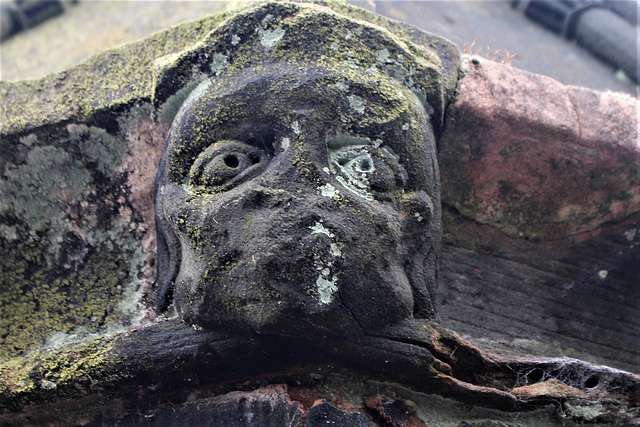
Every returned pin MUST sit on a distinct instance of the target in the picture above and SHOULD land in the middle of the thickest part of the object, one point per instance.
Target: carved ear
(423, 276)
(168, 250)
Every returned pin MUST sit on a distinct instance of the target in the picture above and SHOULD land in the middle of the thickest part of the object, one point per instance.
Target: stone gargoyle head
(299, 190)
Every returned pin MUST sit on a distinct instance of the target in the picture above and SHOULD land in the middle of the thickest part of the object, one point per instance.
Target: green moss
(70, 262)
(70, 266)
(119, 76)
(42, 371)
(308, 34)
(41, 308)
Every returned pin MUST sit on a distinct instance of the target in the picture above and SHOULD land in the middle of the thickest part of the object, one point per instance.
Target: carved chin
(295, 285)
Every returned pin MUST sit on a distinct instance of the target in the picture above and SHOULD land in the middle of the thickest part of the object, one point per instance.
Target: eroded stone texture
(536, 159)
(268, 406)
(92, 202)
(540, 212)
(325, 413)
(74, 237)
(298, 191)
(88, 141)
(79, 156)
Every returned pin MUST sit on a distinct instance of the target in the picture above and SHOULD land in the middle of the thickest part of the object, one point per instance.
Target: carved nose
(417, 205)
(264, 197)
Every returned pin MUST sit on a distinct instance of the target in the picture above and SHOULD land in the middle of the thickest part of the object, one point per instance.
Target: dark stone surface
(325, 413)
(301, 199)
(151, 372)
(130, 371)
(395, 412)
(264, 407)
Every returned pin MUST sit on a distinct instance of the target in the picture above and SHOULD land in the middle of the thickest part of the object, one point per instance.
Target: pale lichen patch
(284, 143)
(326, 287)
(326, 282)
(357, 103)
(383, 56)
(269, 38)
(630, 235)
(318, 227)
(342, 86)
(296, 127)
(586, 411)
(335, 250)
(355, 164)
(328, 190)
(218, 63)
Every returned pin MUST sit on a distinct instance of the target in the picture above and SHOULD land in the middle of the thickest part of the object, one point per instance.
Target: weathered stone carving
(317, 169)
(298, 194)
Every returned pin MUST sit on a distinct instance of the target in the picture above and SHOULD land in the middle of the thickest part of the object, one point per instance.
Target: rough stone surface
(268, 406)
(540, 214)
(396, 412)
(296, 196)
(536, 159)
(78, 164)
(325, 413)
(79, 171)
(120, 379)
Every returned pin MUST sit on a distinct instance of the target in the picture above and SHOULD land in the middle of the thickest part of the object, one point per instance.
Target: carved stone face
(299, 203)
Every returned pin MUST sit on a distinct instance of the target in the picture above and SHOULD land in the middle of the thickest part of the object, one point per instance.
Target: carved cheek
(416, 206)
(173, 203)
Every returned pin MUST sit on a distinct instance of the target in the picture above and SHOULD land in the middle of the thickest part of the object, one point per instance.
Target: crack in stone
(575, 114)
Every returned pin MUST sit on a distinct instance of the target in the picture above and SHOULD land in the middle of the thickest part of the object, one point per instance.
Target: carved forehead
(359, 103)
(310, 35)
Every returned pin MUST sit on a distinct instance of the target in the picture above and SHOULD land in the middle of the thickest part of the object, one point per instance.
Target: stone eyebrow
(342, 140)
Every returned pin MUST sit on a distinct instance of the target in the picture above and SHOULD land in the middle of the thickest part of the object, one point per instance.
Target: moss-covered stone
(42, 372)
(116, 77)
(74, 228)
(70, 240)
(284, 98)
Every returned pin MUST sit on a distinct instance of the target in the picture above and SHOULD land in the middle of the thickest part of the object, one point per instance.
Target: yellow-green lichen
(118, 76)
(38, 306)
(70, 261)
(46, 370)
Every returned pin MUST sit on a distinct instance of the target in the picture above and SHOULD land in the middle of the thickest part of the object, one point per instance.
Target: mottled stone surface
(79, 156)
(268, 406)
(154, 370)
(536, 159)
(540, 210)
(299, 196)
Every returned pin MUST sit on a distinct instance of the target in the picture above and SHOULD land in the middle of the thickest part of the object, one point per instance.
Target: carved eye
(227, 163)
(367, 170)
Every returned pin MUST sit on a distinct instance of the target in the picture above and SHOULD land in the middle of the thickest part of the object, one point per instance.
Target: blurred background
(591, 43)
